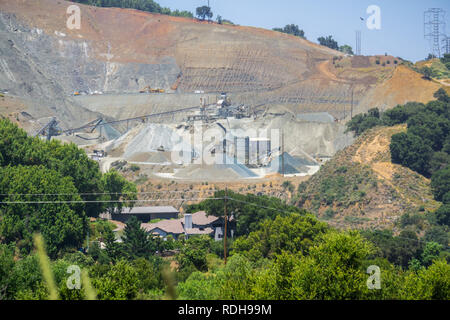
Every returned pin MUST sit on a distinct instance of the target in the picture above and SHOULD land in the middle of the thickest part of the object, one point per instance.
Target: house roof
(176, 226)
(201, 219)
(194, 231)
(169, 226)
(148, 210)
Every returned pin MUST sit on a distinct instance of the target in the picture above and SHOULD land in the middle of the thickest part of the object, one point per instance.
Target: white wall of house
(218, 235)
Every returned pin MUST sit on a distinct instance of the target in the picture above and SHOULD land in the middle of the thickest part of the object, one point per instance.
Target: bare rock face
(118, 52)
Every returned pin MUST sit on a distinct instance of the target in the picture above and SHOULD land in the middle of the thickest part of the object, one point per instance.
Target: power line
(190, 199)
(102, 201)
(260, 206)
(358, 43)
(345, 225)
(102, 193)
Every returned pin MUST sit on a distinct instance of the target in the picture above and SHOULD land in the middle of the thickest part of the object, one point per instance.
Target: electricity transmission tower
(446, 45)
(434, 29)
(358, 43)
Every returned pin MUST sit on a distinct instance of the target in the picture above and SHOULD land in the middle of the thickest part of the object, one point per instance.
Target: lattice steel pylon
(434, 29)
(446, 45)
(358, 43)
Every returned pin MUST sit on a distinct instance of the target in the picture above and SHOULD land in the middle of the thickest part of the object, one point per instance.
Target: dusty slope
(122, 50)
(400, 88)
(246, 57)
(361, 187)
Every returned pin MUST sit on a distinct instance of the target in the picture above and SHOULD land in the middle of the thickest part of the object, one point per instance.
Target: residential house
(191, 224)
(144, 214)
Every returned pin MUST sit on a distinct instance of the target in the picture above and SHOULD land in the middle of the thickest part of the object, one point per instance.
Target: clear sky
(401, 33)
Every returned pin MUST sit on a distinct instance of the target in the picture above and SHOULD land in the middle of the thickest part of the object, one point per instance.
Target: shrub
(329, 213)
(411, 151)
(134, 168)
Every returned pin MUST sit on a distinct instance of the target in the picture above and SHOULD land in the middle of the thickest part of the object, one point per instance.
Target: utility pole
(351, 111)
(87, 240)
(225, 233)
(209, 19)
(282, 152)
(358, 42)
(345, 115)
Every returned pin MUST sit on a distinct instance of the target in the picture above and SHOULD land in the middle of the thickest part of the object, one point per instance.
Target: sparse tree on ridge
(328, 42)
(346, 49)
(430, 57)
(204, 12)
(291, 29)
(427, 73)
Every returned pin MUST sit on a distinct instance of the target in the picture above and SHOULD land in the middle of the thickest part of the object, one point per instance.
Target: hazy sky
(401, 34)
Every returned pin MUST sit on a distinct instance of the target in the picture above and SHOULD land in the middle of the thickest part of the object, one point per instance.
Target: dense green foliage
(16, 148)
(44, 186)
(204, 12)
(291, 29)
(63, 225)
(397, 250)
(346, 49)
(362, 122)
(411, 151)
(136, 241)
(286, 257)
(440, 184)
(143, 5)
(328, 42)
(293, 233)
(420, 147)
(334, 268)
(446, 60)
(118, 190)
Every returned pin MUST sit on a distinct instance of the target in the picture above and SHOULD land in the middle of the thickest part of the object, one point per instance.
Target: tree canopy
(346, 49)
(62, 224)
(291, 29)
(136, 241)
(328, 42)
(204, 12)
(46, 185)
(293, 233)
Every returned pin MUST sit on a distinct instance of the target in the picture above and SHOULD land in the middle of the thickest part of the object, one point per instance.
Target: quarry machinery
(50, 129)
(145, 90)
(148, 89)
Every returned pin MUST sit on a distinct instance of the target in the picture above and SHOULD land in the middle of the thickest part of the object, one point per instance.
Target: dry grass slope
(360, 187)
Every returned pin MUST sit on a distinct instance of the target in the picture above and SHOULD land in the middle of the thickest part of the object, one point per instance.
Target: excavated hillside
(361, 187)
(120, 51)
